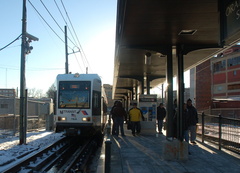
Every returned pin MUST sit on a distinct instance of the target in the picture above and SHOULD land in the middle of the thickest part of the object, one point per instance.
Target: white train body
(79, 104)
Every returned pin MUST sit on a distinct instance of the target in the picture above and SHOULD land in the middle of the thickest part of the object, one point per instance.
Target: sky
(93, 22)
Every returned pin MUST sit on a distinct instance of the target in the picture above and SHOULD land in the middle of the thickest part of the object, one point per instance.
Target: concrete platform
(144, 154)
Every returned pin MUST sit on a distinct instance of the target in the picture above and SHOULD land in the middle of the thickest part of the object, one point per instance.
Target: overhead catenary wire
(78, 62)
(81, 52)
(31, 68)
(66, 23)
(52, 16)
(55, 21)
(49, 25)
(84, 59)
(45, 21)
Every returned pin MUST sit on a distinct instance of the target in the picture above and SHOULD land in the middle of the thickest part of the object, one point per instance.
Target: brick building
(218, 81)
(8, 92)
(203, 86)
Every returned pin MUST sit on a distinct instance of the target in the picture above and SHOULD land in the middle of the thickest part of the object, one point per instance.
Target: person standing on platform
(135, 115)
(185, 123)
(161, 114)
(175, 118)
(193, 120)
(119, 116)
(112, 115)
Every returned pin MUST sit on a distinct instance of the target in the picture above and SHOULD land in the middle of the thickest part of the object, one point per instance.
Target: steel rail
(26, 162)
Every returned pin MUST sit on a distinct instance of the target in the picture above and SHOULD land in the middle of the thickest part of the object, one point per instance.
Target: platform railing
(222, 131)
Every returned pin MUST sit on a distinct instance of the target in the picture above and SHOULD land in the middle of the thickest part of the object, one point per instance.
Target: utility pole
(23, 117)
(66, 50)
(25, 49)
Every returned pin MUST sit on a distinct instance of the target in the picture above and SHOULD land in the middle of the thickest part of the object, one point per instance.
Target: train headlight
(62, 118)
(86, 119)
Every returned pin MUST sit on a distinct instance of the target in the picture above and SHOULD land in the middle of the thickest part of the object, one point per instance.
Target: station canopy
(152, 27)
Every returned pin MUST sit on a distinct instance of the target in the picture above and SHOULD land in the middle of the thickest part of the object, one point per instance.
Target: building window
(219, 66)
(234, 87)
(4, 106)
(233, 61)
(234, 73)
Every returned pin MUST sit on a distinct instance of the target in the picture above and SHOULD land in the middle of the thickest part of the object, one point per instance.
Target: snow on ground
(11, 151)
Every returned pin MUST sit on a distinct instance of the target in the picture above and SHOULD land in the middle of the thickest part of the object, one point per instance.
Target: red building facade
(203, 86)
(218, 81)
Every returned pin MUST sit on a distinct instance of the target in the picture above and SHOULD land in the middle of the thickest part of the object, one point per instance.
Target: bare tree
(35, 93)
(51, 92)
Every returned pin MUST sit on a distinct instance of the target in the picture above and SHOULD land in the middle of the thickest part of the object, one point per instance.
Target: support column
(169, 93)
(142, 82)
(127, 102)
(180, 91)
(148, 85)
(136, 93)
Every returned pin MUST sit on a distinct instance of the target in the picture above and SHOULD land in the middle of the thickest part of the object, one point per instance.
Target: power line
(65, 23)
(81, 52)
(52, 16)
(11, 42)
(44, 69)
(45, 21)
(60, 12)
(55, 21)
(31, 68)
(84, 59)
(78, 62)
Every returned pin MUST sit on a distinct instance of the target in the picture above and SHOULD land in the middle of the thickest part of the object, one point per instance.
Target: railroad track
(70, 154)
(80, 159)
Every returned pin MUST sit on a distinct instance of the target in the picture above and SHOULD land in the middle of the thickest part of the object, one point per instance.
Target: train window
(74, 94)
(96, 100)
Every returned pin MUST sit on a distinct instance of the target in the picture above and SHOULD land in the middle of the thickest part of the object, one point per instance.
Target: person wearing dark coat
(113, 118)
(161, 114)
(119, 116)
(175, 118)
(193, 120)
(185, 123)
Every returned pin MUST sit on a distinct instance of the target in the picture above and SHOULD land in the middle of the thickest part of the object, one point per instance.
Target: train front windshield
(74, 94)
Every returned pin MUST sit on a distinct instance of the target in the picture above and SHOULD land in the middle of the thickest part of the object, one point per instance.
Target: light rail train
(80, 104)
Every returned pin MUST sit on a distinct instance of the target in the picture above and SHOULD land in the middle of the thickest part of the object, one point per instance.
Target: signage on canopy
(231, 18)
